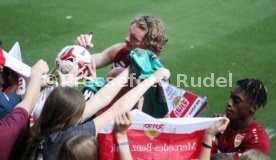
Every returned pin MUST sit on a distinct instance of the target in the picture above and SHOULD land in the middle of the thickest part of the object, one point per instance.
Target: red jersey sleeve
(258, 140)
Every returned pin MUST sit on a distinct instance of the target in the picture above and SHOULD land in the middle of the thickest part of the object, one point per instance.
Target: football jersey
(121, 58)
(235, 142)
(153, 105)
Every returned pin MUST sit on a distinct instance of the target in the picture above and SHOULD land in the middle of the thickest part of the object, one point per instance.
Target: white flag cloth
(43, 95)
(157, 139)
(182, 103)
(173, 125)
(16, 52)
(14, 64)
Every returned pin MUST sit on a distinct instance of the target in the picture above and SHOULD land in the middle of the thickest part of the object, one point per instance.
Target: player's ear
(254, 108)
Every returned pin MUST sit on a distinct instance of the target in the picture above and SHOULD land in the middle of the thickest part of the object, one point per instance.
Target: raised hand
(162, 73)
(218, 127)
(91, 69)
(40, 67)
(84, 40)
(122, 123)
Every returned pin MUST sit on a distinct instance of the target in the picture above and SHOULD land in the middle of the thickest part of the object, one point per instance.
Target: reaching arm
(126, 102)
(105, 57)
(122, 123)
(210, 133)
(34, 85)
(105, 95)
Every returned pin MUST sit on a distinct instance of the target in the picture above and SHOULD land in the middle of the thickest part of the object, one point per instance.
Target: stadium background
(212, 36)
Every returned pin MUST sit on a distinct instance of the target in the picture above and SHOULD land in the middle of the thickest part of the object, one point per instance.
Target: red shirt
(121, 58)
(11, 126)
(253, 137)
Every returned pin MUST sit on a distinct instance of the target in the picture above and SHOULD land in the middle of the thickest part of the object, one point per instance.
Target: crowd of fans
(67, 123)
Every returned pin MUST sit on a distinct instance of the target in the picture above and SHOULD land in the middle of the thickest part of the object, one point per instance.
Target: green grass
(205, 37)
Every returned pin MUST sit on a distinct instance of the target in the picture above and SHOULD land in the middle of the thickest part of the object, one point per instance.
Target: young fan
(65, 113)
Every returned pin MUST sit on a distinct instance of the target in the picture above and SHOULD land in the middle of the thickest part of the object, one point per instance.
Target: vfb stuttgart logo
(238, 140)
(153, 130)
(179, 104)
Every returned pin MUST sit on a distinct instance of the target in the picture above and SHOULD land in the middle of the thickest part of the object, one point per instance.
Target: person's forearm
(105, 57)
(124, 104)
(123, 146)
(205, 151)
(100, 60)
(32, 93)
(121, 137)
(105, 95)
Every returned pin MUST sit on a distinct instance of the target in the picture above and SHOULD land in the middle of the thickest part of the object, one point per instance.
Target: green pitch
(211, 36)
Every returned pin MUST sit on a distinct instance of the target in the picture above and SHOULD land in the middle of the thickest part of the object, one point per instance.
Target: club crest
(153, 130)
(179, 104)
(238, 140)
(176, 101)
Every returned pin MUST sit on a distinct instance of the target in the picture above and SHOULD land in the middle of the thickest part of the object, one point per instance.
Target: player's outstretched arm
(106, 57)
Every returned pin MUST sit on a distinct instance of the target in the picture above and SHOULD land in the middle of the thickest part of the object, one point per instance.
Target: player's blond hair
(155, 38)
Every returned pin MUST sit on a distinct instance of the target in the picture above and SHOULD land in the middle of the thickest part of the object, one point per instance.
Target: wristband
(121, 144)
(206, 145)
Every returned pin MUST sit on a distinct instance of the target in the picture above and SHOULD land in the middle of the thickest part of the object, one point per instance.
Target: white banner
(15, 64)
(182, 103)
(157, 139)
